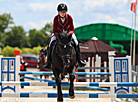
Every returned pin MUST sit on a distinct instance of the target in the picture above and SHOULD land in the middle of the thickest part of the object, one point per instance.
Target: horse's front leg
(41, 77)
(58, 82)
(71, 89)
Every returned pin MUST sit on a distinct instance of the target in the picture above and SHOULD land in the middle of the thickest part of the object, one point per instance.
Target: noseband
(65, 44)
(68, 55)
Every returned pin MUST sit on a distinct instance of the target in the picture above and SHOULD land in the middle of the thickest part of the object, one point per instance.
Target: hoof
(71, 97)
(59, 101)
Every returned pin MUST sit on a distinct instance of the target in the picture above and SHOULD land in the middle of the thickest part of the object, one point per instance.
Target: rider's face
(21, 58)
(61, 13)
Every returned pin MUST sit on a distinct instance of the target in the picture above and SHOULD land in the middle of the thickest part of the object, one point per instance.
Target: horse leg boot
(71, 89)
(48, 63)
(80, 60)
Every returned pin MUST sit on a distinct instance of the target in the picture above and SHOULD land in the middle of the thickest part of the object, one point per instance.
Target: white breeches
(73, 37)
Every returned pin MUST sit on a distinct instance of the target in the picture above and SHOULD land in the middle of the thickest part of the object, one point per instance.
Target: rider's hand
(69, 33)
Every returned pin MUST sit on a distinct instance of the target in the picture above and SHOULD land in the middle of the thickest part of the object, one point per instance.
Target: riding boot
(48, 63)
(80, 60)
(38, 65)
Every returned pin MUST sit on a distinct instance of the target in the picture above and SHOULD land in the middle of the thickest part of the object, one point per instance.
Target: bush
(17, 48)
(8, 51)
(26, 50)
(0, 51)
(36, 50)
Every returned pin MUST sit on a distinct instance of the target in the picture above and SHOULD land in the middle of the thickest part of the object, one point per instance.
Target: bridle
(41, 57)
(67, 56)
(65, 44)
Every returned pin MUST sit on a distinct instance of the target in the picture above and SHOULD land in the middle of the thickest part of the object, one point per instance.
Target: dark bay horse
(64, 62)
(42, 62)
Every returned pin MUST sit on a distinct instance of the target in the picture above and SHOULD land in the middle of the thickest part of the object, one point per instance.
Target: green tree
(16, 37)
(48, 29)
(37, 38)
(5, 21)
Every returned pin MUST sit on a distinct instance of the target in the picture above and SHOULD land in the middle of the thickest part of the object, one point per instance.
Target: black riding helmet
(62, 7)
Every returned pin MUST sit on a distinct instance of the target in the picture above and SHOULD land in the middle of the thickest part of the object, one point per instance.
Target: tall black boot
(48, 63)
(80, 60)
(38, 65)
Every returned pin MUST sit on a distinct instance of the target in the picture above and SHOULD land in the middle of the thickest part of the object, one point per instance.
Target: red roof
(95, 46)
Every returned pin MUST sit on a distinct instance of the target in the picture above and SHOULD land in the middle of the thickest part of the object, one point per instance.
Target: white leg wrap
(75, 39)
(52, 39)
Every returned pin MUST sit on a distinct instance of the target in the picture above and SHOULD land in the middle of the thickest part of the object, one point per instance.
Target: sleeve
(26, 63)
(71, 30)
(54, 25)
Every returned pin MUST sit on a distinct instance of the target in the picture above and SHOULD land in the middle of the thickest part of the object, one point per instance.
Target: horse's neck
(43, 59)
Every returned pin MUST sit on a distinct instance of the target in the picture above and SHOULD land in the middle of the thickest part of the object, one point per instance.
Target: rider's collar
(62, 17)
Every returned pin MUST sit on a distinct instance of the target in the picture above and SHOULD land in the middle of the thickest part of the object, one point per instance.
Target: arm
(71, 30)
(26, 64)
(54, 26)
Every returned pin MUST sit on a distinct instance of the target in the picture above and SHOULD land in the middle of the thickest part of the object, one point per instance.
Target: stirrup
(82, 63)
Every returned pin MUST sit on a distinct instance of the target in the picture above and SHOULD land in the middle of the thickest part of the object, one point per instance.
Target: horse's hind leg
(59, 91)
(41, 77)
(71, 89)
(46, 76)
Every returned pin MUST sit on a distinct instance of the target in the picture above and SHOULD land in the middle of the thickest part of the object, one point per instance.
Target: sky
(36, 13)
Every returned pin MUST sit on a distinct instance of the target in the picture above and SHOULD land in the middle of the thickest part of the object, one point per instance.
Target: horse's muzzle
(66, 65)
(66, 61)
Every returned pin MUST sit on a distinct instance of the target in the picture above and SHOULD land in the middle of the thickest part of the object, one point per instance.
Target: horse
(64, 62)
(42, 62)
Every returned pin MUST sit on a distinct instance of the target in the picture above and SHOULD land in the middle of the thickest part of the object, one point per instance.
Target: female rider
(63, 22)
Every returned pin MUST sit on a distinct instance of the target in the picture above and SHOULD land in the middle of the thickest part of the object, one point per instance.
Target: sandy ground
(51, 89)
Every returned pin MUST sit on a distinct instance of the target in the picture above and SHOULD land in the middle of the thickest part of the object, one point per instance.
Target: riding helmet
(62, 7)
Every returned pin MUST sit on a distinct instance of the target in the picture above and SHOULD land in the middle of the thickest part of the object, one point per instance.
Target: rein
(65, 44)
(64, 47)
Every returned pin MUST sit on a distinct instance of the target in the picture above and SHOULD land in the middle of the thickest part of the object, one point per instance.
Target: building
(115, 35)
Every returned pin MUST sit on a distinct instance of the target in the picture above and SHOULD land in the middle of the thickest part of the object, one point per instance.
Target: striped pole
(53, 83)
(66, 95)
(45, 80)
(77, 73)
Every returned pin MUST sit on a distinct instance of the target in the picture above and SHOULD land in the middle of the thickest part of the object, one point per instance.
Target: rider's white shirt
(62, 20)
